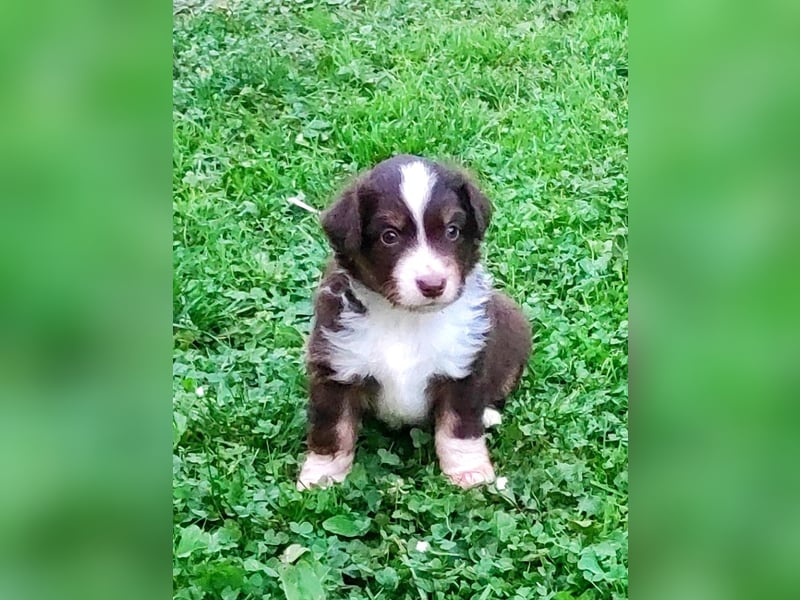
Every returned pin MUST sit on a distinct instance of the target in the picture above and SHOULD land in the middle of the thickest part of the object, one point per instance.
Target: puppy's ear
(342, 223)
(478, 203)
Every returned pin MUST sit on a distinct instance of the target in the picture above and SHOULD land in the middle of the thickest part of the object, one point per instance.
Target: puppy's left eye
(452, 232)
(390, 237)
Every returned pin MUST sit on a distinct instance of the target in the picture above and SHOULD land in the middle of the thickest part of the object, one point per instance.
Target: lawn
(280, 99)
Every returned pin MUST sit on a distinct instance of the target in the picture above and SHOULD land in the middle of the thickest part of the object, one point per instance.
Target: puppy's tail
(491, 417)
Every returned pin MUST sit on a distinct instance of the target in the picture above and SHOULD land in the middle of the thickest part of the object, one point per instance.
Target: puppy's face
(409, 229)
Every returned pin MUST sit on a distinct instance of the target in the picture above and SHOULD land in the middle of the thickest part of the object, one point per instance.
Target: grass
(273, 99)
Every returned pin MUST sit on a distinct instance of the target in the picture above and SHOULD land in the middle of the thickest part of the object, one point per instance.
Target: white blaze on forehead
(416, 184)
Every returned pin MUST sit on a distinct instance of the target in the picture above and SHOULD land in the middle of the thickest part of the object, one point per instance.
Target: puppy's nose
(431, 286)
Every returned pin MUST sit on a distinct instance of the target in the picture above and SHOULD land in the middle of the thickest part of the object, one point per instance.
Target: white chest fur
(403, 350)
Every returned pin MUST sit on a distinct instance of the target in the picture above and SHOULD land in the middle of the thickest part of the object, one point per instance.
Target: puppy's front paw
(321, 470)
(473, 477)
(465, 461)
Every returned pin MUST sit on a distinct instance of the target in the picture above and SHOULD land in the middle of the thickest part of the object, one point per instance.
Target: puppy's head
(409, 229)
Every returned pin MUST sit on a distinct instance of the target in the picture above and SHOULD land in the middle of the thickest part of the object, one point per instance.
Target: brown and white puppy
(407, 324)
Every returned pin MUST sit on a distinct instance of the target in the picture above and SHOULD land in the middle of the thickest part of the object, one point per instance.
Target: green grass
(276, 98)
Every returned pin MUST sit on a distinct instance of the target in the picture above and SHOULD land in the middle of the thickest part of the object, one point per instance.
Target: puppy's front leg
(333, 419)
(460, 441)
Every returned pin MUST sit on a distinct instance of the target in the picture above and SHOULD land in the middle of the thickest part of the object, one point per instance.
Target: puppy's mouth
(428, 307)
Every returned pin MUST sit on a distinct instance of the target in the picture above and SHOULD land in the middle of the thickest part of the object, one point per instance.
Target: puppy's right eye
(390, 237)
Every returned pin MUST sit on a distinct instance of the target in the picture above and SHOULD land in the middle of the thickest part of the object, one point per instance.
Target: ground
(274, 100)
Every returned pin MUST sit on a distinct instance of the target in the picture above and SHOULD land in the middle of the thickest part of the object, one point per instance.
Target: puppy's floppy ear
(342, 223)
(478, 203)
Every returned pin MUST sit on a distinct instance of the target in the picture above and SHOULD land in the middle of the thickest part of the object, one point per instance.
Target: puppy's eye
(390, 237)
(452, 232)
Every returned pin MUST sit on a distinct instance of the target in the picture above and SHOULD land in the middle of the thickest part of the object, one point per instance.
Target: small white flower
(396, 486)
(200, 392)
(501, 483)
(204, 72)
(423, 546)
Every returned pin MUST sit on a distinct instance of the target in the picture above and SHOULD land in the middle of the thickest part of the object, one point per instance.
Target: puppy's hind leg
(505, 356)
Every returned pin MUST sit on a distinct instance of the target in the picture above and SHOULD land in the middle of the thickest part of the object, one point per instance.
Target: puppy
(407, 324)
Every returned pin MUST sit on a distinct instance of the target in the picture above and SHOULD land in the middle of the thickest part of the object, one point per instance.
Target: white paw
(473, 477)
(321, 470)
(491, 417)
(465, 461)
